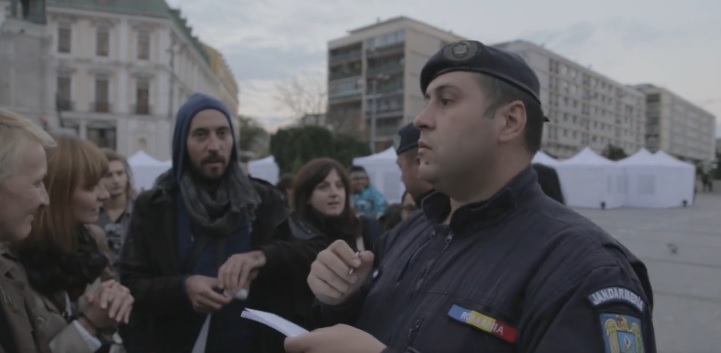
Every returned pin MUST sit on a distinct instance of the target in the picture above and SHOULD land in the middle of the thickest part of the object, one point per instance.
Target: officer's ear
(513, 118)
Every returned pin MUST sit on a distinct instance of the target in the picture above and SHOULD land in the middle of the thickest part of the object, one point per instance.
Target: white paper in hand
(202, 340)
(274, 321)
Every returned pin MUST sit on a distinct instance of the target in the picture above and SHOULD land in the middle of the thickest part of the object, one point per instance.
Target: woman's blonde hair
(15, 131)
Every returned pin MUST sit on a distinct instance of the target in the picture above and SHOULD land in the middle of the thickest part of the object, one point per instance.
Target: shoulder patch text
(617, 295)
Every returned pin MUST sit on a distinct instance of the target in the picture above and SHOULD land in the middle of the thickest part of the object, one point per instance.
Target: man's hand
(339, 338)
(202, 294)
(110, 304)
(240, 270)
(331, 278)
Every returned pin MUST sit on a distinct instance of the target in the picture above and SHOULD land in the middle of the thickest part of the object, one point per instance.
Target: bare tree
(303, 95)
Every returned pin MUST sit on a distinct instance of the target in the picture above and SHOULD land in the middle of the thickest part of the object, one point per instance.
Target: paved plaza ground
(687, 284)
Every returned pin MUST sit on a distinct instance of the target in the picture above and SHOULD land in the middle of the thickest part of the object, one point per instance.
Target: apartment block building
(677, 126)
(374, 74)
(585, 108)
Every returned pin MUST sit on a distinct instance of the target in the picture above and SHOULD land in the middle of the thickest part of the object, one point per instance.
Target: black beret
(473, 56)
(406, 138)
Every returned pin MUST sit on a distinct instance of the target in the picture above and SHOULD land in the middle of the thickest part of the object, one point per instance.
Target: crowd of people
(478, 256)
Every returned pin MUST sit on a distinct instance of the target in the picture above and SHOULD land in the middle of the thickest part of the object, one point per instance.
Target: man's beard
(203, 178)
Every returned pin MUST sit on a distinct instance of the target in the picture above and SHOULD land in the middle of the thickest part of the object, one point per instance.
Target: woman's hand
(110, 304)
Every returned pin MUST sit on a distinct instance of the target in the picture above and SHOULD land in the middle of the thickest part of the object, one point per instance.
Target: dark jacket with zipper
(517, 273)
(151, 269)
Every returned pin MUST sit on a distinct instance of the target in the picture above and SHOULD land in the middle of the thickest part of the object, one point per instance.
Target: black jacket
(150, 268)
(516, 273)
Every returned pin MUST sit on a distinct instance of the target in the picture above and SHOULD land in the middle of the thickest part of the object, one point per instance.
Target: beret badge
(461, 51)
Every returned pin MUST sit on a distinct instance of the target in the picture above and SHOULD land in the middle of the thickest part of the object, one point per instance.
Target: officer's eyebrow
(438, 90)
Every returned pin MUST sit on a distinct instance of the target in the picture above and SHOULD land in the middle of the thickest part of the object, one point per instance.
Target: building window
(64, 38)
(102, 42)
(143, 45)
(102, 95)
(64, 93)
(142, 97)
(102, 137)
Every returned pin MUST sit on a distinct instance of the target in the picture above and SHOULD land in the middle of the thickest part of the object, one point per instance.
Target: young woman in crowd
(408, 205)
(321, 196)
(67, 257)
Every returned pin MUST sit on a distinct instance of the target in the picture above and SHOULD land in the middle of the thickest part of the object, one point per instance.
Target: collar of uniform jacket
(436, 206)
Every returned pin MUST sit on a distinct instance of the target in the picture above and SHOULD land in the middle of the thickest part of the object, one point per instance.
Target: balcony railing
(393, 49)
(385, 68)
(345, 95)
(142, 109)
(344, 74)
(339, 58)
(101, 107)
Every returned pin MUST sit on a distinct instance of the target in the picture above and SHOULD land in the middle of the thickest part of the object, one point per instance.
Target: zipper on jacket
(447, 242)
(429, 268)
(413, 256)
(413, 332)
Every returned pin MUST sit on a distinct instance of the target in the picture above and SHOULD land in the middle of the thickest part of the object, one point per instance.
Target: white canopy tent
(543, 158)
(591, 181)
(658, 180)
(265, 169)
(383, 173)
(146, 169)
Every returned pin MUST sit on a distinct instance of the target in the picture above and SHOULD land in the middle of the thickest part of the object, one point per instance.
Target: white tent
(265, 169)
(146, 169)
(384, 173)
(591, 181)
(665, 182)
(543, 158)
(658, 180)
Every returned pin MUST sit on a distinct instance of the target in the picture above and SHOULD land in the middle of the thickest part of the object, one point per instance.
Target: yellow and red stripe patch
(484, 323)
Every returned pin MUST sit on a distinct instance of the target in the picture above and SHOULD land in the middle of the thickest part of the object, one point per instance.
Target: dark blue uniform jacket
(517, 273)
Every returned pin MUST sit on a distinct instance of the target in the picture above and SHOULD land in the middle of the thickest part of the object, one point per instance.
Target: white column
(161, 99)
(124, 55)
(125, 40)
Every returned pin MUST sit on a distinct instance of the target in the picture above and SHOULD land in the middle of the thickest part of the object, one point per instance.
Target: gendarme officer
(502, 269)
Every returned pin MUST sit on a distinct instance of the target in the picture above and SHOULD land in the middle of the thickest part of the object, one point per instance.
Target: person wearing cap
(406, 146)
(503, 268)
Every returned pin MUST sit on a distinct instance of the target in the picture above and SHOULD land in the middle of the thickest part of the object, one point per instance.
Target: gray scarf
(219, 215)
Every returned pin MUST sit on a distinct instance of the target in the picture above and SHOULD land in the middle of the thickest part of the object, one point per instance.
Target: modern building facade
(678, 126)
(374, 74)
(585, 108)
(119, 70)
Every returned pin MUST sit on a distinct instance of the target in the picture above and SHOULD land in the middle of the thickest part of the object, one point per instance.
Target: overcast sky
(676, 44)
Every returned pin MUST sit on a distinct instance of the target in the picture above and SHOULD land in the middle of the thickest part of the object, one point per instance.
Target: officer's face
(457, 141)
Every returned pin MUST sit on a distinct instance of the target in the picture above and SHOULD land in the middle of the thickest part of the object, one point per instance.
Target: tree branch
(302, 96)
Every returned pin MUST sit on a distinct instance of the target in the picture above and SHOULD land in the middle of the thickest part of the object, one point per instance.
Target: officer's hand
(339, 338)
(331, 278)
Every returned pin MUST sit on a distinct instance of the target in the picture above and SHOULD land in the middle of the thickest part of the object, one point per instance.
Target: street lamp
(374, 109)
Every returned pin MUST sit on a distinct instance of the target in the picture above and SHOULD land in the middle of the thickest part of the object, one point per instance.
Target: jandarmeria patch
(617, 295)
